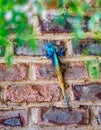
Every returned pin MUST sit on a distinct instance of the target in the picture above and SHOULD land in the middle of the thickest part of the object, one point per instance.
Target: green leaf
(60, 3)
(19, 41)
(86, 52)
(76, 7)
(3, 32)
(3, 41)
(86, 6)
(22, 1)
(98, 3)
(59, 20)
(94, 19)
(32, 44)
(93, 68)
(39, 4)
(9, 59)
(76, 41)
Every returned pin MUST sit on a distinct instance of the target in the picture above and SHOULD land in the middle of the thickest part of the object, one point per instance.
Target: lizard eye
(49, 46)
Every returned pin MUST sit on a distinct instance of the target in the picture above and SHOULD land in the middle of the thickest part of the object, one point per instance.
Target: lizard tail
(67, 104)
(61, 80)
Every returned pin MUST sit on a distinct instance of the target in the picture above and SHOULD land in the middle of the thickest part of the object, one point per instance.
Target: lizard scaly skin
(51, 53)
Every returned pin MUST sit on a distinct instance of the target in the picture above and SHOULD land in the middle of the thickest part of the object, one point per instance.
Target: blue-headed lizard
(53, 54)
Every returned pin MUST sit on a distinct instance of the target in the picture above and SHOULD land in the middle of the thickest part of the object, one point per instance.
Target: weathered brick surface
(37, 127)
(13, 118)
(75, 71)
(40, 127)
(90, 92)
(33, 87)
(71, 71)
(61, 116)
(81, 128)
(41, 48)
(99, 116)
(17, 72)
(45, 71)
(87, 47)
(96, 117)
(26, 51)
(47, 24)
(34, 115)
(33, 93)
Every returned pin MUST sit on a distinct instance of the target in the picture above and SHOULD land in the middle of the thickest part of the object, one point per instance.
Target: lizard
(54, 55)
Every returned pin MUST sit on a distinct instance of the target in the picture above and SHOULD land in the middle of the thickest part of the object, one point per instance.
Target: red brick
(85, 47)
(13, 118)
(32, 93)
(24, 50)
(47, 24)
(87, 92)
(72, 71)
(15, 73)
(96, 116)
(45, 71)
(75, 71)
(61, 116)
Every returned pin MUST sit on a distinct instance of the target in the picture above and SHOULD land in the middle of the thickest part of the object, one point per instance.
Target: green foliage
(9, 59)
(60, 20)
(39, 4)
(93, 68)
(95, 19)
(13, 20)
(77, 9)
(86, 52)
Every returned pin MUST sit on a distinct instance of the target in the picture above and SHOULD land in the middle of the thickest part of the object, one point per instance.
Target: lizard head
(50, 49)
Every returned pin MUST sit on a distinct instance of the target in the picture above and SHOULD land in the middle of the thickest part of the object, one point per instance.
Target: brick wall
(30, 94)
